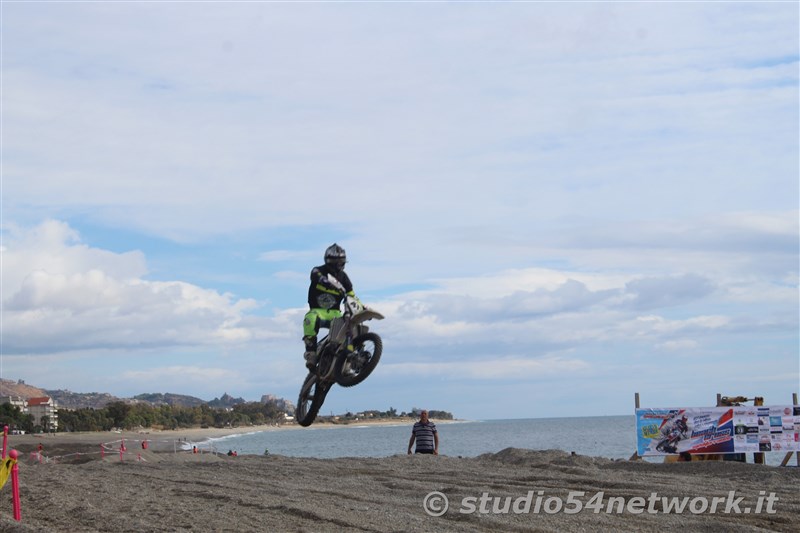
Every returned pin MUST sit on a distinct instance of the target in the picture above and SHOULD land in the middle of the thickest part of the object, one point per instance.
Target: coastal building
(16, 401)
(44, 411)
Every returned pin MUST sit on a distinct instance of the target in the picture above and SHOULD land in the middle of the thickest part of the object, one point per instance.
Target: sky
(555, 205)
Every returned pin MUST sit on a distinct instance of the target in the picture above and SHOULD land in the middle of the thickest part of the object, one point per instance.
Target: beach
(161, 488)
(59, 445)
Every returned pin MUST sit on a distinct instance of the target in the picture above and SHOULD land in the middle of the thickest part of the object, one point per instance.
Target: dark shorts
(424, 451)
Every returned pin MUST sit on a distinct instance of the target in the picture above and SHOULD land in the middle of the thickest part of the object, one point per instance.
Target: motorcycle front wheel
(359, 364)
(312, 395)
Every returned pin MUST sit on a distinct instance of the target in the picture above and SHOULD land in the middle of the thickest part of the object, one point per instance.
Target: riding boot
(311, 351)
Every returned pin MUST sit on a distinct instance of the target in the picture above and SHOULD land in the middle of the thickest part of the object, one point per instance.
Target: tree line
(13, 417)
(349, 416)
(121, 415)
(127, 416)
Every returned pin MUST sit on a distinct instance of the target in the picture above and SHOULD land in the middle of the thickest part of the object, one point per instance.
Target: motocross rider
(676, 424)
(324, 298)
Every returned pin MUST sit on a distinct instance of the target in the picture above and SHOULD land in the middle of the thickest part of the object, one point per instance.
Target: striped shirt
(423, 433)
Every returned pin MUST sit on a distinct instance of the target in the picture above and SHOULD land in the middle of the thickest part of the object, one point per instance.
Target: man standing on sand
(424, 433)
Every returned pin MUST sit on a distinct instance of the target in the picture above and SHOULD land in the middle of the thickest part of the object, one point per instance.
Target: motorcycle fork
(329, 362)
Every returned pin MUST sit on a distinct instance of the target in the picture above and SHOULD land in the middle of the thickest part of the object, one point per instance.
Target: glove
(355, 304)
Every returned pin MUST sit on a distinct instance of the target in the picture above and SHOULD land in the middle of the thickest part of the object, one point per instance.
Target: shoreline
(189, 436)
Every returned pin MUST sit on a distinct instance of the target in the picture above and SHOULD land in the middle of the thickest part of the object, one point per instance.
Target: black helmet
(335, 257)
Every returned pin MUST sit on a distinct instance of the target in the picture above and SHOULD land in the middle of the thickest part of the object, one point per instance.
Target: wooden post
(758, 457)
(635, 456)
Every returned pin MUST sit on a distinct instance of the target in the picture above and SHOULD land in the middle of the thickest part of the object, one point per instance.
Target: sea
(612, 437)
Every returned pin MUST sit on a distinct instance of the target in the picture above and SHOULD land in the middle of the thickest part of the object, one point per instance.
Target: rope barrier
(118, 446)
(9, 466)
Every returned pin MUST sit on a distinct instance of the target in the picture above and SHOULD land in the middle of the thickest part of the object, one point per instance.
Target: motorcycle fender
(365, 315)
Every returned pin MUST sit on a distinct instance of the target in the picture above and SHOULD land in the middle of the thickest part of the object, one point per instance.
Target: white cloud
(493, 368)
(180, 374)
(679, 345)
(95, 303)
(61, 295)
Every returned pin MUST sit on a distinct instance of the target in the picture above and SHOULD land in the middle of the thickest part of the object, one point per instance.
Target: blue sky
(556, 205)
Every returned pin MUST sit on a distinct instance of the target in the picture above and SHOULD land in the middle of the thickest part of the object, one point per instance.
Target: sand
(160, 490)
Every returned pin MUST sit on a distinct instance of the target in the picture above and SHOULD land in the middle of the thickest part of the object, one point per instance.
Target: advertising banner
(666, 431)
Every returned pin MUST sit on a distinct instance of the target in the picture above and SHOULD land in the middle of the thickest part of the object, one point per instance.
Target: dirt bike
(347, 355)
(670, 442)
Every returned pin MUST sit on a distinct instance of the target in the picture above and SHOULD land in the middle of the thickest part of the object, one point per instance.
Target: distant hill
(225, 401)
(97, 400)
(9, 387)
(94, 400)
(81, 400)
(173, 400)
(64, 398)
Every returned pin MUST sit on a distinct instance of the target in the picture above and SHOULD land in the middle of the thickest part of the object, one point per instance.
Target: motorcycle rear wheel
(356, 367)
(312, 395)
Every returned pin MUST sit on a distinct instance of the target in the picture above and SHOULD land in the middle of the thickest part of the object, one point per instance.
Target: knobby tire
(366, 370)
(310, 401)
